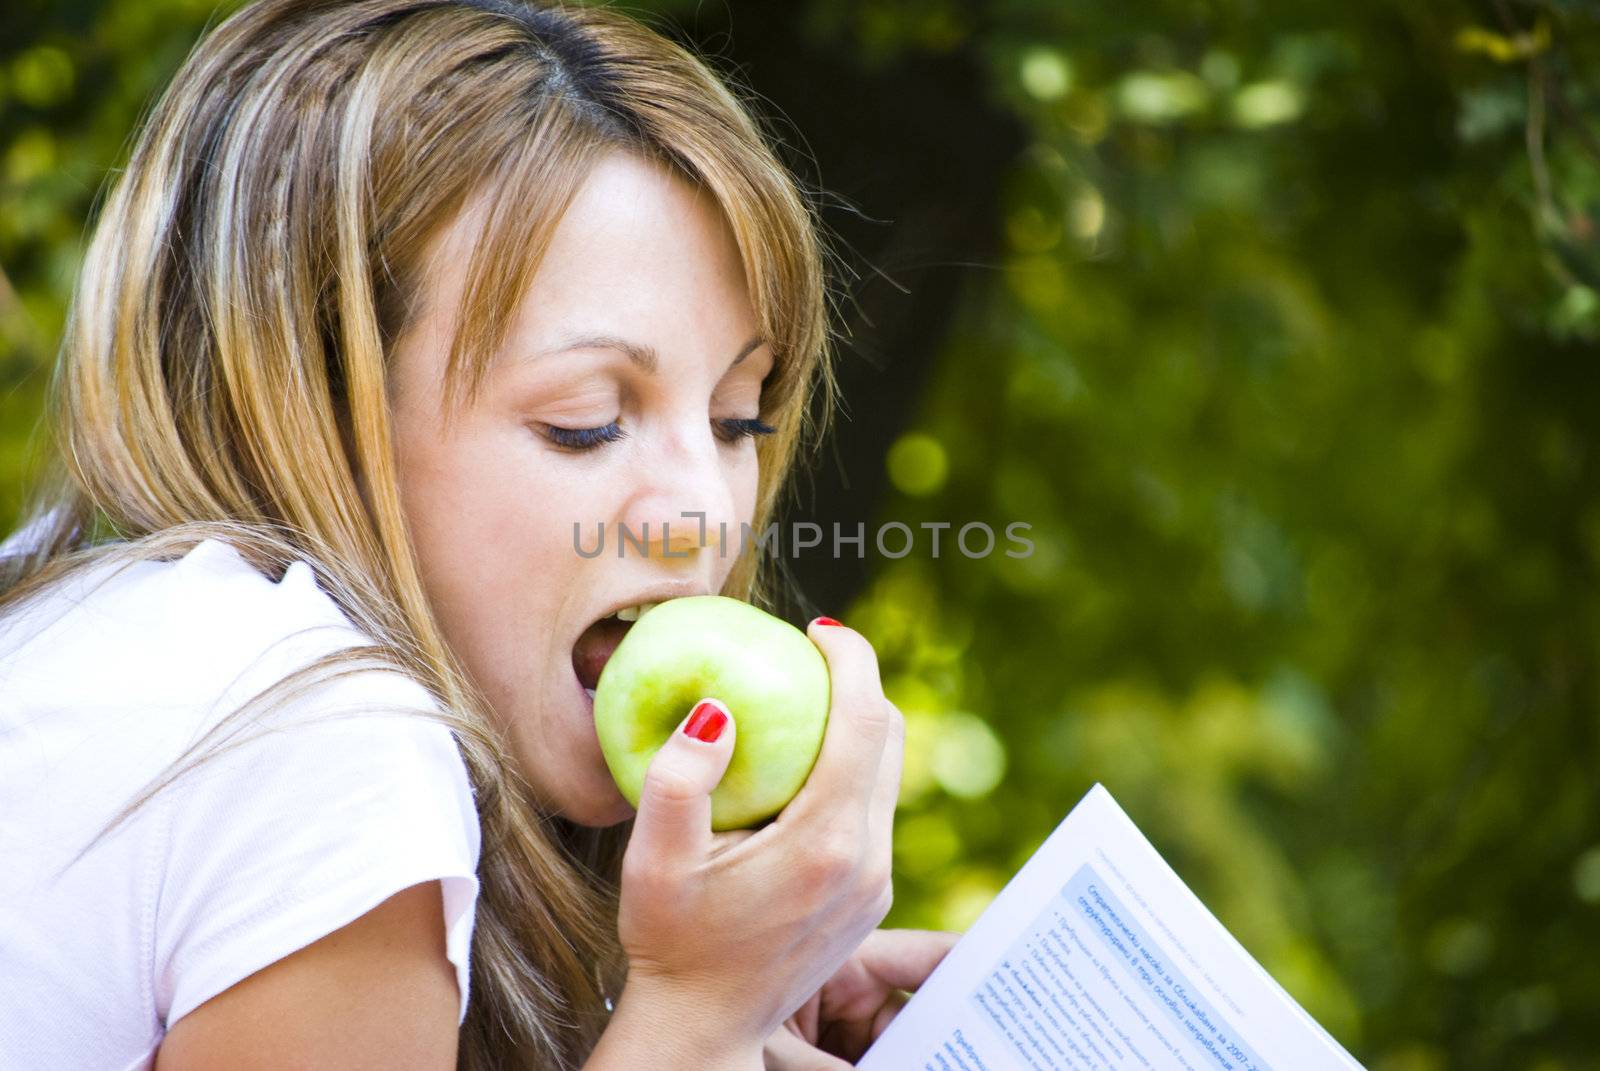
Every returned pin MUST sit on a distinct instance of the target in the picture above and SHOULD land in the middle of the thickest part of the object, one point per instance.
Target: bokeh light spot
(917, 464)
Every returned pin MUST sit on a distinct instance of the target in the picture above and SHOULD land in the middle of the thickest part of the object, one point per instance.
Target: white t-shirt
(255, 854)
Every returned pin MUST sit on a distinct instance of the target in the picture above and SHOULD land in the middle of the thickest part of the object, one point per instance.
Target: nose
(684, 505)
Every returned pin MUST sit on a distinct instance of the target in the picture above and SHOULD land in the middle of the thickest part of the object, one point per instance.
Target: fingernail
(825, 621)
(706, 722)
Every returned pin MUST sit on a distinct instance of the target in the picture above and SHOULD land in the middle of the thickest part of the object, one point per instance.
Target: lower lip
(583, 694)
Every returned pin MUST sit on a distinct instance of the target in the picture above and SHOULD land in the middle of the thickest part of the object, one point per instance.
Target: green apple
(768, 673)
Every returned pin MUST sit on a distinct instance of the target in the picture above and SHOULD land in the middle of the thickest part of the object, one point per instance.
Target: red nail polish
(825, 621)
(706, 723)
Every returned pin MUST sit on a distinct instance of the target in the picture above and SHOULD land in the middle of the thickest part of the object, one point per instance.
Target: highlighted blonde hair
(223, 368)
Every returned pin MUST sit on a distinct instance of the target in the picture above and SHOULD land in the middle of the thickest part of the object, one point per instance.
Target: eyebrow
(644, 356)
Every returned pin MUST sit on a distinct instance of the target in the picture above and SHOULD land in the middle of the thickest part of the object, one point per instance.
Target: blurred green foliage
(1291, 366)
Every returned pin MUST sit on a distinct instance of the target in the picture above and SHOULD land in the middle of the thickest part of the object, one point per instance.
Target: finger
(728, 839)
(903, 959)
(850, 1038)
(674, 812)
(858, 726)
(787, 1051)
(886, 793)
(806, 1019)
(890, 1009)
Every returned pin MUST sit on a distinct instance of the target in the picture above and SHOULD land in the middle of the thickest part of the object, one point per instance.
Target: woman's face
(493, 498)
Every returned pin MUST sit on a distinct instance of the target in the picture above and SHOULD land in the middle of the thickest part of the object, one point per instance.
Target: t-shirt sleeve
(302, 829)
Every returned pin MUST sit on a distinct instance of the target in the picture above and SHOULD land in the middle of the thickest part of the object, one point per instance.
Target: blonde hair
(222, 372)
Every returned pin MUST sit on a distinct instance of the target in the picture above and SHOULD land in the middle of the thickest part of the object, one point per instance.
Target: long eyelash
(737, 429)
(583, 438)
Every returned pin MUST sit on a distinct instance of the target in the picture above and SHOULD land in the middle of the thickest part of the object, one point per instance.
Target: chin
(606, 805)
(617, 816)
(596, 813)
(593, 800)
(589, 797)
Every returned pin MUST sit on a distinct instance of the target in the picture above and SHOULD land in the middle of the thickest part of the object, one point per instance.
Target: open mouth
(599, 641)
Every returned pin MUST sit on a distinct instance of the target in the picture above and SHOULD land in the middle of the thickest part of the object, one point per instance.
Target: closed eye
(733, 429)
(580, 439)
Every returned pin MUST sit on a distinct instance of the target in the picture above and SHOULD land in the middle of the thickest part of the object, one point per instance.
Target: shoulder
(168, 650)
(185, 641)
(161, 629)
(291, 832)
(304, 813)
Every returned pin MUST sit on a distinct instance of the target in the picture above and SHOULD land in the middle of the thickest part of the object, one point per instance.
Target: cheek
(424, 471)
(746, 484)
(481, 510)
(743, 485)
(454, 491)
(743, 488)
(495, 485)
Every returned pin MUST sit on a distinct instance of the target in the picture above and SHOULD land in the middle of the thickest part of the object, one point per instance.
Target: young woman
(391, 295)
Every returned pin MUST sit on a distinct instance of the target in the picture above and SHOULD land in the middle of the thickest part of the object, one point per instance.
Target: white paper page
(1097, 957)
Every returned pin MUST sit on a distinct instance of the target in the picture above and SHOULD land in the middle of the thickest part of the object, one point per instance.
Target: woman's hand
(727, 934)
(833, 1028)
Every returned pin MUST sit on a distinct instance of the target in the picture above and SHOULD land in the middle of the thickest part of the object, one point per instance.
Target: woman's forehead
(639, 254)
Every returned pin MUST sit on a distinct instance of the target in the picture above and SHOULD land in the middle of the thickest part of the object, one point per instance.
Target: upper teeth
(633, 613)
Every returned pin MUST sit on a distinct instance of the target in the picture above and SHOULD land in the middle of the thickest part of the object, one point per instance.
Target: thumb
(674, 813)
